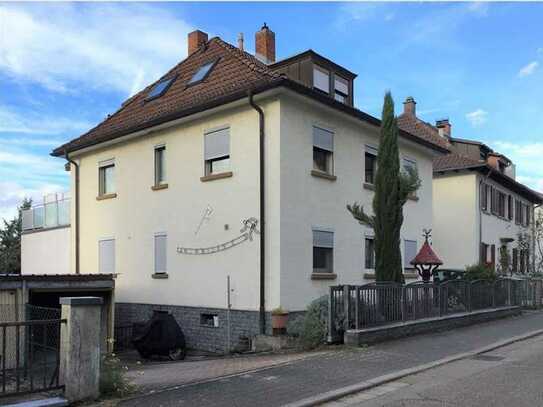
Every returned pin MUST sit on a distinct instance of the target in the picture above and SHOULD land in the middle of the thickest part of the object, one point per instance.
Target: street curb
(378, 381)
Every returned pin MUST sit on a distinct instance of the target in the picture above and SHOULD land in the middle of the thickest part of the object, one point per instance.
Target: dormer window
(341, 89)
(321, 79)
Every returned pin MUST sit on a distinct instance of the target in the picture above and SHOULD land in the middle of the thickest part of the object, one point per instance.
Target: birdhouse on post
(426, 261)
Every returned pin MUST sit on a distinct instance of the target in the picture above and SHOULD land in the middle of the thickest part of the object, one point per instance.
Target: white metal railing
(54, 211)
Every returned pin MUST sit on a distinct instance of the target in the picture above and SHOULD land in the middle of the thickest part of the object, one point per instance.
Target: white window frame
(160, 167)
(155, 253)
(209, 160)
(328, 150)
(102, 186)
(331, 247)
(368, 236)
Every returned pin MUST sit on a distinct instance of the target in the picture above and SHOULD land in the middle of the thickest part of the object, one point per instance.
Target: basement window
(211, 320)
(202, 73)
(159, 89)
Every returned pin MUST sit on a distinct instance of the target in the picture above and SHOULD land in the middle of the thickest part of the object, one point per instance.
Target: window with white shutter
(161, 241)
(106, 256)
(410, 252)
(217, 151)
(323, 150)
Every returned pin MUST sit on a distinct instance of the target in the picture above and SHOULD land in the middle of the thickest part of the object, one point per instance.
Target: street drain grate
(488, 358)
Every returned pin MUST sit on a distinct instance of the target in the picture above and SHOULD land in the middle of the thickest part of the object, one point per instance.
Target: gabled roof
(412, 124)
(233, 76)
(458, 162)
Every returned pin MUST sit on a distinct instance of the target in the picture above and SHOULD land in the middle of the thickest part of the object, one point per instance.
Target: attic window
(202, 73)
(159, 89)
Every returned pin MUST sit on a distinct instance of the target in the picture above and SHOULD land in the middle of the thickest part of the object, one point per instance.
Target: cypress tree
(392, 188)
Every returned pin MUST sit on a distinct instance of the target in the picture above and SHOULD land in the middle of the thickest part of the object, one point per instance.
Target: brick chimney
(196, 39)
(265, 45)
(410, 106)
(444, 128)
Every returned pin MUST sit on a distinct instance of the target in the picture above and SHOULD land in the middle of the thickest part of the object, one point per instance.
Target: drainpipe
(76, 210)
(262, 217)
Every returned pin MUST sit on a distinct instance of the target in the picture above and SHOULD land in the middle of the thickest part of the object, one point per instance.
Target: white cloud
(13, 193)
(528, 69)
(31, 122)
(65, 46)
(477, 117)
(527, 159)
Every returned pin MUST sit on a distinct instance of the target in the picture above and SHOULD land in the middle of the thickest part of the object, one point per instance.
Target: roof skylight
(160, 88)
(202, 72)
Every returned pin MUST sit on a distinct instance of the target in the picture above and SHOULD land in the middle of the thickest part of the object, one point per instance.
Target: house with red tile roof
(219, 191)
(481, 212)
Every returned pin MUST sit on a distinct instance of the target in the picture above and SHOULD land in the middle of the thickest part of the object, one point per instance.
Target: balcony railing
(53, 212)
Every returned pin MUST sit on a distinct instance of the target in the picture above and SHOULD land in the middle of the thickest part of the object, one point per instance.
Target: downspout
(262, 216)
(76, 210)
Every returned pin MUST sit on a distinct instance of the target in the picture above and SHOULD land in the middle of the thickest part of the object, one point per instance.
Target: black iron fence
(123, 337)
(29, 350)
(375, 304)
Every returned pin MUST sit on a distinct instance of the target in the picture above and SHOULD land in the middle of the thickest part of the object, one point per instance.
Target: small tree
(392, 188)
(10, 242)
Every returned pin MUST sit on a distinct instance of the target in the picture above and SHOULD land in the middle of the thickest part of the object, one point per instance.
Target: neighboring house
(480, 211)
(163, 185)
(47, 267)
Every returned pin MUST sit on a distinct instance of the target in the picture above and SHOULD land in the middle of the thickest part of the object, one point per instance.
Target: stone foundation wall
(198, 335)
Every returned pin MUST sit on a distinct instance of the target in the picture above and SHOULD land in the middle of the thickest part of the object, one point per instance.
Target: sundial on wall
(246, 233)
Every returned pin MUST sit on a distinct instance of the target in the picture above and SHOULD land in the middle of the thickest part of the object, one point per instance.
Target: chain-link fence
(29, 348)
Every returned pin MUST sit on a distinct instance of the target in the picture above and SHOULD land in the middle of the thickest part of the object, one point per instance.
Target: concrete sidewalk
(326, 372)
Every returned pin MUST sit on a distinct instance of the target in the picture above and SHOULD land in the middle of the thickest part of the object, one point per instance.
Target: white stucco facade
(296, 202)
(460, 225)
(46, 251)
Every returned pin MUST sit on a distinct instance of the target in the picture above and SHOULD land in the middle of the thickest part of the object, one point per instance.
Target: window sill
(324, 175)
(106, 196)
(213, 177)
(159, 276)
(368, 186)
(323, 276)
(159, 187)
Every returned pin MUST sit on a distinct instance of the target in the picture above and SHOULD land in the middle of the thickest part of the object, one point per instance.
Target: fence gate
(30, 352)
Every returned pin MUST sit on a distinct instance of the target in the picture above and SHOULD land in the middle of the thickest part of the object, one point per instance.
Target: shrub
(313, 327)
(480, 272)
(112, 377)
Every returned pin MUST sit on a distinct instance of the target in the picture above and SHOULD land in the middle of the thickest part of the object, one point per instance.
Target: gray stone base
(359, 337)
(198, 335)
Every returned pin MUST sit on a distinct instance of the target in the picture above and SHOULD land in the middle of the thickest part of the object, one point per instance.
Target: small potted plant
(279, 320)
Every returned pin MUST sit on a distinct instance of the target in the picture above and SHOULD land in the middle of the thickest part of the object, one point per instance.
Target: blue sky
(64, 67)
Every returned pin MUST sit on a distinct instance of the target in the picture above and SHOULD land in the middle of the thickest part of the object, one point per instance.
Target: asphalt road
(511, 376)
(298, 380)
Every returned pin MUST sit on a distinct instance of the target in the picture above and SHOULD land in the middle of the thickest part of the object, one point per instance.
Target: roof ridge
(252, 62)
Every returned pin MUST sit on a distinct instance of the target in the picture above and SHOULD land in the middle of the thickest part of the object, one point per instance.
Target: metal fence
(376, 304)
(29, 349)
(123, 337)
